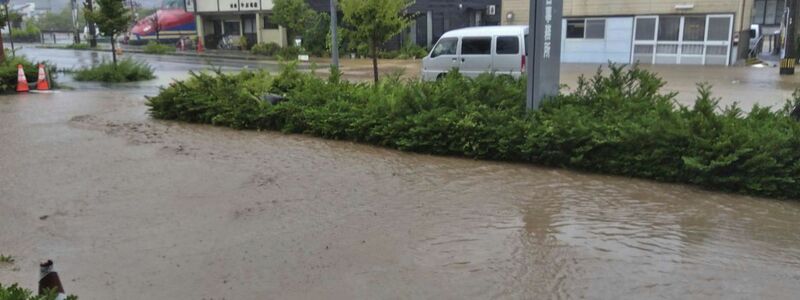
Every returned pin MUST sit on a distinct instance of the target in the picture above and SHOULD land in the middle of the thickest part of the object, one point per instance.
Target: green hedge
(619, 123)
(15, 292)
(126, 70)
(154, 48)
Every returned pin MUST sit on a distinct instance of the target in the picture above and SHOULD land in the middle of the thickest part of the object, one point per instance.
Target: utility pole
(10, 36)
(157, 27)
(334, 39)
(92, 31)
(77, 38)
(789, 57)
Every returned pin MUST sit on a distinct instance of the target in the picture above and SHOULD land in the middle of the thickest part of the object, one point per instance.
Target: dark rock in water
(273, 99)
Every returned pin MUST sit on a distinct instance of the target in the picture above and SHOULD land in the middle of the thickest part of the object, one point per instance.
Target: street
(133, 208)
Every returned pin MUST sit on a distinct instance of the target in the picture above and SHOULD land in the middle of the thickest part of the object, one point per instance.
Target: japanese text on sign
(548, 27)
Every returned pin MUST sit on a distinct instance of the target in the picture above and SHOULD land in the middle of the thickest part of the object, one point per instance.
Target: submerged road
(133, 208)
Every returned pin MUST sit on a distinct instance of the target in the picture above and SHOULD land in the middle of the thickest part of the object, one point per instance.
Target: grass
(7, 259)
(126, 70)
(619, 123)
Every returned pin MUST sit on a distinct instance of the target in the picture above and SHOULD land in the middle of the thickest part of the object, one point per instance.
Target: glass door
(718, 39)
(644, 39)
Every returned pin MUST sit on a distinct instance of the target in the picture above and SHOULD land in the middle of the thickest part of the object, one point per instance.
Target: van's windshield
(445, 46)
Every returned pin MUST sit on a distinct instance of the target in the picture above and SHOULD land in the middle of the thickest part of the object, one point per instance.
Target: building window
(576, 29)
(767, 12)
(231, 28)
(476, 45)
(694, 29)
(586, 29)
(268, 24)
(669, 28)
(507, 45)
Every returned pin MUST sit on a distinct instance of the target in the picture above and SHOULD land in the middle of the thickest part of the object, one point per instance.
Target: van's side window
(507, 45)
(476, 45)
(445, 46)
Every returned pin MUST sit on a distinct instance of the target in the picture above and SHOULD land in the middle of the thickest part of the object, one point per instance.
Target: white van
(476, 50)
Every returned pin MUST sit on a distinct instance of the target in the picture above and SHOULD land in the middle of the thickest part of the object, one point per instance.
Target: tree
(112, 18)
(292, 14)
(3, 20)
(58, 21)
(375, 22)
(89, 5)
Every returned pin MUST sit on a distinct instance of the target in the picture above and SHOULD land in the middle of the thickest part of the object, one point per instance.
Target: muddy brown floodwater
(132, 208)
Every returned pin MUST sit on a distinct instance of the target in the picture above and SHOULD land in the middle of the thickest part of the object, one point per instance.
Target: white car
(476, 50)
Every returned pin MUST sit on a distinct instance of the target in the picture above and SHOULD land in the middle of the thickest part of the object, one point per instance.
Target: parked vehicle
(476, 50)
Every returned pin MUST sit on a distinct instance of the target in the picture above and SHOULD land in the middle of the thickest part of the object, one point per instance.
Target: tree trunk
(92, 31)
(113, 50)
(374, 50)
(2, 50)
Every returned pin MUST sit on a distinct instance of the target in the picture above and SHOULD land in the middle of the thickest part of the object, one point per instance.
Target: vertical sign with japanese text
(544, 50)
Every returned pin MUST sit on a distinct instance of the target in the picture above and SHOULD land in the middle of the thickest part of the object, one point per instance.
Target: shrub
(411, 50)
(30, 33)
(266, 49)
(155, 48)
(125, 70)
(15, 292)
(243, 43)
(78, 46)
(289, 53)
(620, 123)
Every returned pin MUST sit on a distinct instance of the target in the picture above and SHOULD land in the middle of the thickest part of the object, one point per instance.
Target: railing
(756, 50)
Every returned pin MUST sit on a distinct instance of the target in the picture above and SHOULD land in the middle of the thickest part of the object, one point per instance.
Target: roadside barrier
(41, 83)
(22, 82)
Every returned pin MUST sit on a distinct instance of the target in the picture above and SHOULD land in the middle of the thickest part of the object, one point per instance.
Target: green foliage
(6, 259)
(30, 33)
(59, 21)
(289, 53)
(15, 292)
(620, 123)
(111, 18)
(375, 21)
(243, 43)
(155, 48)
(291, 14)
(127, 70)
(411, 50)
(8, 72)
(316, 33)
(80, 46)
(266, 49)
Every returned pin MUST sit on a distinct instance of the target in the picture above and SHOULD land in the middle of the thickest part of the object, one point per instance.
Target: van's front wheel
(440, 76)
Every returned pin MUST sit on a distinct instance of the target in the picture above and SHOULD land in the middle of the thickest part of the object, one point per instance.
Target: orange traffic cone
(42, 84)
(22, 82)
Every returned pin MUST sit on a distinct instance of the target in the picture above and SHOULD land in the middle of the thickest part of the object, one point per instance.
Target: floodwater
(133, 208)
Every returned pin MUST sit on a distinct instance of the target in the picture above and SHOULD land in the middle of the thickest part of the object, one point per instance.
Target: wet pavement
(133, 208)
